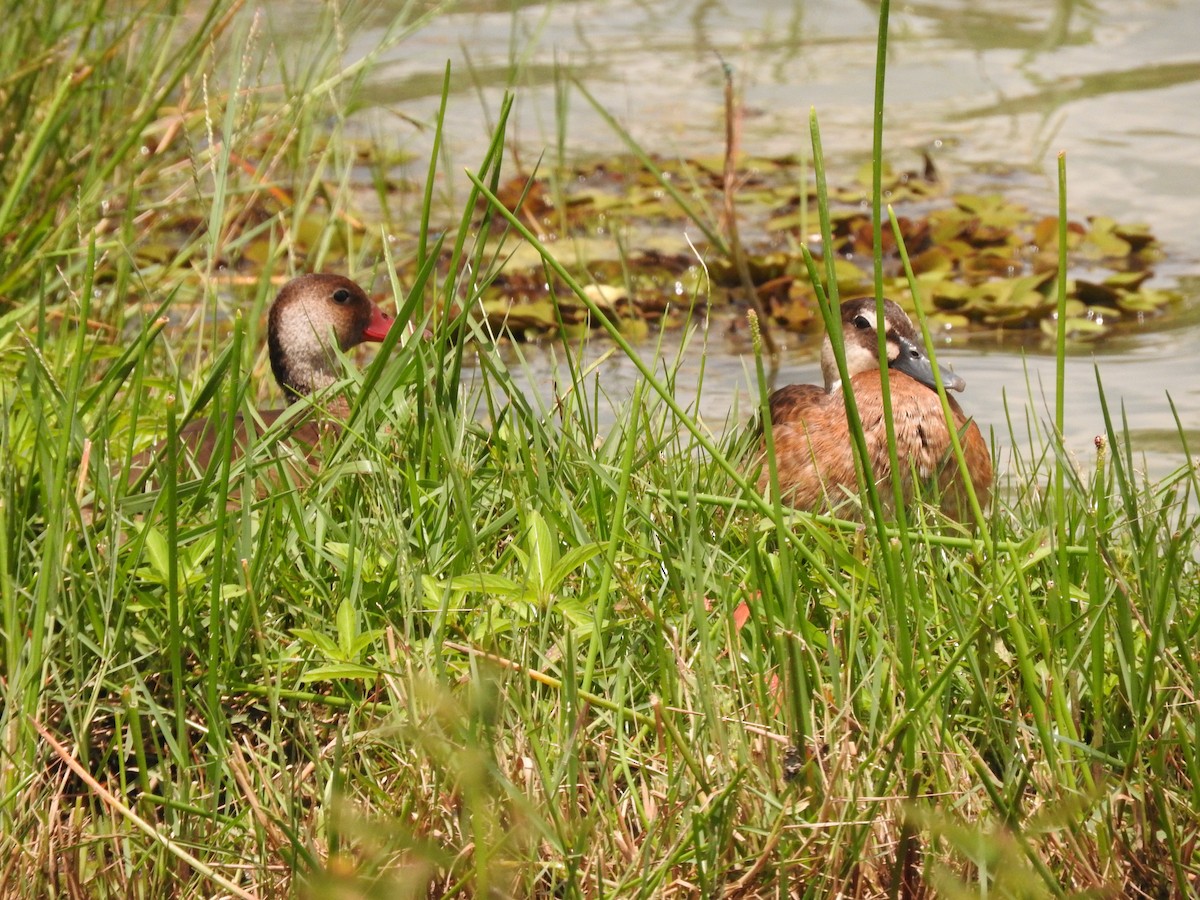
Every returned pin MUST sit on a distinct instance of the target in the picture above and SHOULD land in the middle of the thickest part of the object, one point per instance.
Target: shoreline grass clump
(503, 646)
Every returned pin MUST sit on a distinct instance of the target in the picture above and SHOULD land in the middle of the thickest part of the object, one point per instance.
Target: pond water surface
(994, 88)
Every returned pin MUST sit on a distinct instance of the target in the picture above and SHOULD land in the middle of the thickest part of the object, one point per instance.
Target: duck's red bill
(379, 325)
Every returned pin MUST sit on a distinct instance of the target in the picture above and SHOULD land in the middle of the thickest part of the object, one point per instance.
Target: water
(995, 87)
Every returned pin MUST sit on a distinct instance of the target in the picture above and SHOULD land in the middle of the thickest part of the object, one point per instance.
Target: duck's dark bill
(913, 362)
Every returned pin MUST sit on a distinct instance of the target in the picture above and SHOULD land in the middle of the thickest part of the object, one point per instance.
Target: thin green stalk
(9, 730)
(431, 175)
(175, 635)
(615, 534)
(885, 385)
(215, 658)
(1060, 599)
(133, 714)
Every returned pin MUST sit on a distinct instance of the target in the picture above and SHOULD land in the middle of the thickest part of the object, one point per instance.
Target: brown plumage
(310, 314)
(814, 450)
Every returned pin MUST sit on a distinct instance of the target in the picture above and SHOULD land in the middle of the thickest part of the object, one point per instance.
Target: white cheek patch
(310, 355)
(893, 349)
(860, 358)
(304, 336)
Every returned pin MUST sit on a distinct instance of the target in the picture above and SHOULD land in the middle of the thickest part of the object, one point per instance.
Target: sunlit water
(996, 87)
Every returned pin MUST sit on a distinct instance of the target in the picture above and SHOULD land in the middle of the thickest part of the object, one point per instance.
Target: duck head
(905, 349)
(311, 315)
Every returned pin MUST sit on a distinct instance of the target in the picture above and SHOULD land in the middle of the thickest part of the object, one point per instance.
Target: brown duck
(814, 451)
(310, 316)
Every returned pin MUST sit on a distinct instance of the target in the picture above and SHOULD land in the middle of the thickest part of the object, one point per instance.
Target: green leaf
(321, 641)
(157, 553)
(432, 591)
(543, 552)
(347, 628)
(578, 614)
(485, 583)
(572, 560)
(363, 641)
(339, 671)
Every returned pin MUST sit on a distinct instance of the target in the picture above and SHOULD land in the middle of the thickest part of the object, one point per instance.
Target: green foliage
(343, 653)
(501, 646)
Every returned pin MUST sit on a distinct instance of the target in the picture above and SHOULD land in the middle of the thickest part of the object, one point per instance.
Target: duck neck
(829, 370)
(304, 379)
(301, 349)
(302, 369)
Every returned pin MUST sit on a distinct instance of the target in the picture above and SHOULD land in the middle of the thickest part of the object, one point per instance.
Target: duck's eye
(341, 295)
(862, 322)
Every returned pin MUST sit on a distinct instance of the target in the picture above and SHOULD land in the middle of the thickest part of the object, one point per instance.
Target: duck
(308, 311)
(310, 316)
(814, 449)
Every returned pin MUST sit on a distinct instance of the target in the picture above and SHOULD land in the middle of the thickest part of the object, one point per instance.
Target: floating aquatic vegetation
(982, 261)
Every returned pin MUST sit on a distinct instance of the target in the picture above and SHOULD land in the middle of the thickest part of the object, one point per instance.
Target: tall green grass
(500, 644)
